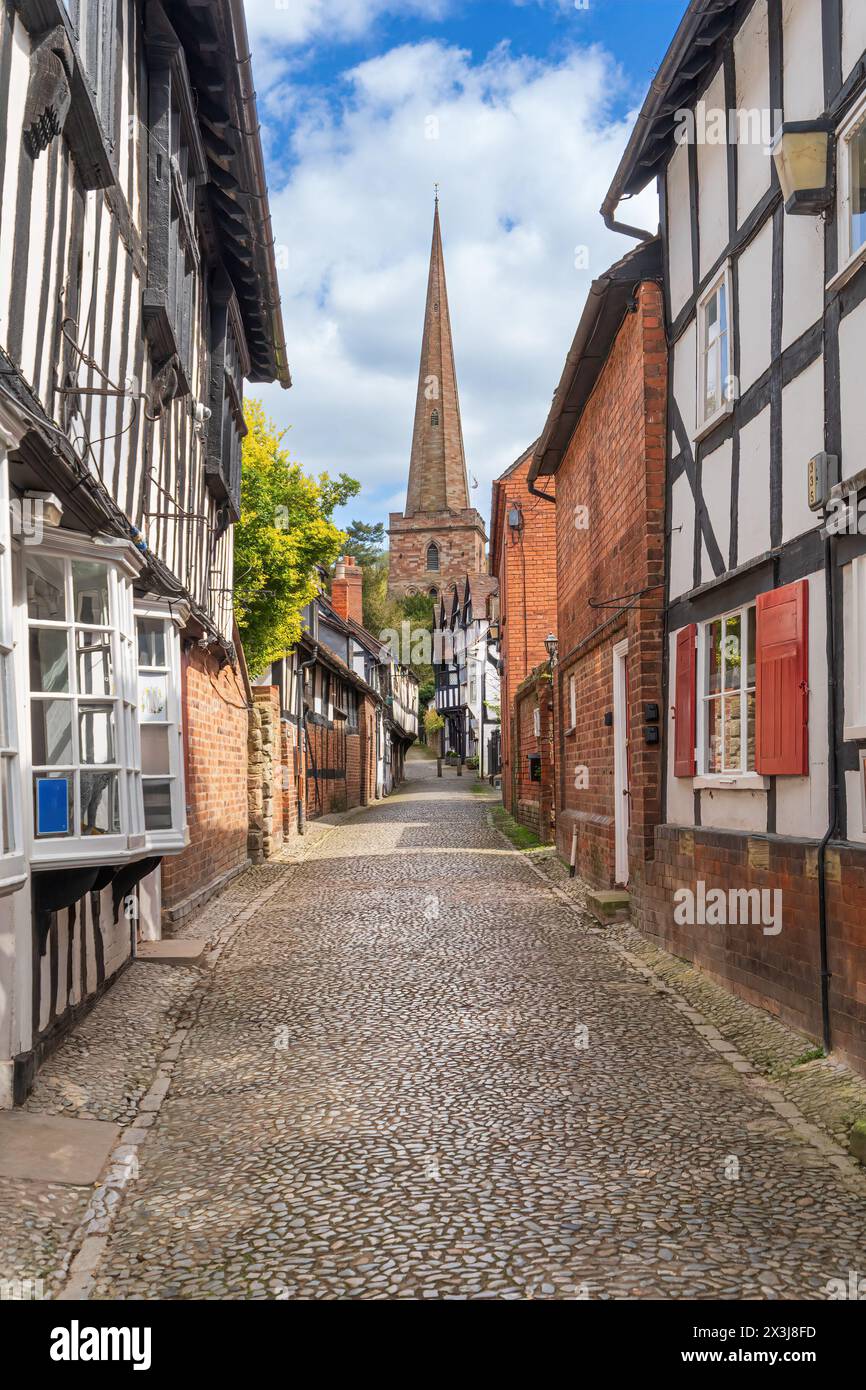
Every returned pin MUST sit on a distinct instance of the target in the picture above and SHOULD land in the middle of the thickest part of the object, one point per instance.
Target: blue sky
(520, 112)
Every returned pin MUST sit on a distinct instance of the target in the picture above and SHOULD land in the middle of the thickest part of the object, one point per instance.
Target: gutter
(260, 214)
(681, 46)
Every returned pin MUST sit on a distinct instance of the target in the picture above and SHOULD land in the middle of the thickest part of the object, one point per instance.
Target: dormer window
(432, 556)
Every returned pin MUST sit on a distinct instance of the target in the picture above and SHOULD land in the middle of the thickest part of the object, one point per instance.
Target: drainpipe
(302, 733)
(833, 780)
(536, 492)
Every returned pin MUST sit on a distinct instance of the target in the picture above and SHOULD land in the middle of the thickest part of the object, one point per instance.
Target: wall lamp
(551, 643)
(803, 156)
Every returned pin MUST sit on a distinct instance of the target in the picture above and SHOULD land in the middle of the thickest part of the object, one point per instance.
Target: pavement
(411, 1067)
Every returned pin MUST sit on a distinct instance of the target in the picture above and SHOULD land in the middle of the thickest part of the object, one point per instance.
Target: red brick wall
(525, 569)
(216, 723)
(779, 973)
(615, 467)
(533, 801)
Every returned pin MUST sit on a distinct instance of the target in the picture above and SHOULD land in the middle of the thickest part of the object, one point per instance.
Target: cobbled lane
(416, 1074)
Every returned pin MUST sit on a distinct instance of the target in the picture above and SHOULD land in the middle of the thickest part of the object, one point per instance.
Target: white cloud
(524, 154)
(294, 22)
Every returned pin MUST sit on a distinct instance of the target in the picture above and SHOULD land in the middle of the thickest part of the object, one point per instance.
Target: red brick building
(522, 551)
(216, 700)
(604, 441)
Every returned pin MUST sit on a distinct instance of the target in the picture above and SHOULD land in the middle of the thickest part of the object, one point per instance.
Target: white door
(620, 759)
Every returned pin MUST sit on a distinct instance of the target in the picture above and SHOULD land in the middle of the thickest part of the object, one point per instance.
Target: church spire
(437, 468)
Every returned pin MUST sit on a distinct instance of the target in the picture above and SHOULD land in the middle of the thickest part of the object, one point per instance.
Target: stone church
(439, 539)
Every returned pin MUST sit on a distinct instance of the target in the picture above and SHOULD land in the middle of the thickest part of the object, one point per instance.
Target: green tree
(284, 533)
(365, 541)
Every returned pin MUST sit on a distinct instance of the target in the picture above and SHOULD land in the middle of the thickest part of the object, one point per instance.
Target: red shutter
(685, 702)
(782, 681)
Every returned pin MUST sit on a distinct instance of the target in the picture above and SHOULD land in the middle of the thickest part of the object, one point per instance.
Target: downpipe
(833, 779)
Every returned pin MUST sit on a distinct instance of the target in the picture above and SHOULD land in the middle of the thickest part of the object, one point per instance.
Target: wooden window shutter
(685, 702)
(782, 681)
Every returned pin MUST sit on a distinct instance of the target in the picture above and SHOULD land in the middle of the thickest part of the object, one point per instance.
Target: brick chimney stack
(346, 588)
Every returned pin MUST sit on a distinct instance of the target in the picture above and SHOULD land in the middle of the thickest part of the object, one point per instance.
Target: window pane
(714, 736)
(94, 663)
(722, 297)
(49, 660)
(157, 805)
(51, 732)
(5, 711)
(750, 733)
(46, 594)
(90, 592)
(52, 803)
(714, 658)
(733, 716)
(750, 643)
(858, 190)
(712, 313)
(711, 382)
(100, 810)
(151, 642)
(96, 733)
(154, 750)
(7, 826)
(152, 698)
(733, 656)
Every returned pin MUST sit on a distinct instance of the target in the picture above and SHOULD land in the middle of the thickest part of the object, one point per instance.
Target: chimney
(346, 590)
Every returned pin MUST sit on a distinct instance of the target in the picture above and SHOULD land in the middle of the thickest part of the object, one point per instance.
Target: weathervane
(436, 191)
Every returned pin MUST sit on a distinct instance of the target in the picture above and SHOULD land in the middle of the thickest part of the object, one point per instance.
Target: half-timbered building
(138, 289)
(755, 131)
(466, 672)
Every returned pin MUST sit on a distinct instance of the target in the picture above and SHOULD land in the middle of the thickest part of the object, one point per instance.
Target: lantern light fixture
(803, 155)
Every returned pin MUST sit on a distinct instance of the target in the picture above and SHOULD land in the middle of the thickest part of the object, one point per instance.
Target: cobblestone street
(417, 1072)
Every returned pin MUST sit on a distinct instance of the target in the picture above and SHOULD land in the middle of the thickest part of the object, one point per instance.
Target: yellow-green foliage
(285, 531)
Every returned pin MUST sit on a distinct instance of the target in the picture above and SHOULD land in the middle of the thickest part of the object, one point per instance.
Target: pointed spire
(437, 468)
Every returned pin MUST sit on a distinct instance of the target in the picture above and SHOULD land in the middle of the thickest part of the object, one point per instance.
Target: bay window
(82, 728)
(105, 779)
(727, 706)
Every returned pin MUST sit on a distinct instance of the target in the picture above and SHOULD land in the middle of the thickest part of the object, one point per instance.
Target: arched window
(432, 556)
(434, 418)
(433, 593)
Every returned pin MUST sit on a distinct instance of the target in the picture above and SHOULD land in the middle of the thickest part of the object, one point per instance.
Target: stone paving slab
(54, 1148)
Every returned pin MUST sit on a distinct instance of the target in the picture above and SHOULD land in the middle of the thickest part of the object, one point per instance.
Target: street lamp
(803, 156)
(551, 643)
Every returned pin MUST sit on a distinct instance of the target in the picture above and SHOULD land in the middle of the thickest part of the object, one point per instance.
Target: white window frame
(706, 423)
(124, 564)
(849, 259)
(12, 862)
(743, 778)
(855, 652)
(536, 721)
(174, 618)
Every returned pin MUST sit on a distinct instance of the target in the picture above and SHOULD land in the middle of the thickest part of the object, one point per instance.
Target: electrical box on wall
(822, 474)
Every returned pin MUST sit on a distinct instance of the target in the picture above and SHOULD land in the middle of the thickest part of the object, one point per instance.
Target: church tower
(439, 539)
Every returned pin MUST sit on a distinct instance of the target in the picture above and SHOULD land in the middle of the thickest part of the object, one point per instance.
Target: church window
(434, 418)
(432, 556)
